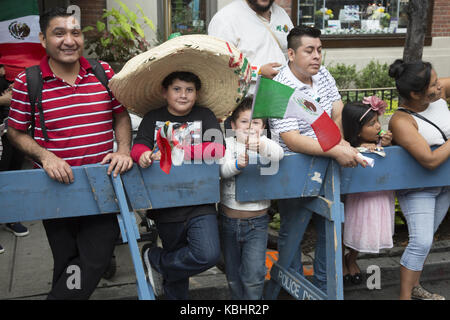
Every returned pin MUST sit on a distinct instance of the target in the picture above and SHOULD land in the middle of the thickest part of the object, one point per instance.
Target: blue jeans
(424, 210)
(244, 243)
(291, 209)
(189, 248)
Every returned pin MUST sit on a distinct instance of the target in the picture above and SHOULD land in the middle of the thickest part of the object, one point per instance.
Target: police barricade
(321, 182)
(31, 195)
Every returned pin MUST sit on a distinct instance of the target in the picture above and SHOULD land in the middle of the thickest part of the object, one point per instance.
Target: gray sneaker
(155, 278)
(1, 249)
(418, 292)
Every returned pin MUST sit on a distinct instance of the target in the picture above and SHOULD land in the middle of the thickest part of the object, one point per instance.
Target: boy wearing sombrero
(189, 81)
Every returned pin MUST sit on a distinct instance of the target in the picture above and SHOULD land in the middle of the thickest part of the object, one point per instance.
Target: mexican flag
(276, 100)
(170, 147)
(19, 36)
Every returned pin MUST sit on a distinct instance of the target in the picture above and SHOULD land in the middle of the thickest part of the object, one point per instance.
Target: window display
(341, 17)
(188, 16)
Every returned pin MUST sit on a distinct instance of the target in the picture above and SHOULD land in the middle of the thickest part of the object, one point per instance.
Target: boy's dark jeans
(87, 242)
(189, 248)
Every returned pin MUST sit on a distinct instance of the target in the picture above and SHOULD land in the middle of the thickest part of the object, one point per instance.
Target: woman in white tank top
(425, 208)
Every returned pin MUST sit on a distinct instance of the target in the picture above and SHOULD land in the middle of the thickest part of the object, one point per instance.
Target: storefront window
(347, 17)
(188, 16)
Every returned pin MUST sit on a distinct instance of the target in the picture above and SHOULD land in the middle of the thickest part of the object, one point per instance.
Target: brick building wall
(91, 10)
(286, 5)
(441, 19)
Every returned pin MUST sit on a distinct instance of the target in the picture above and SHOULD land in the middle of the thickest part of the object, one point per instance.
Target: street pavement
(26, 271)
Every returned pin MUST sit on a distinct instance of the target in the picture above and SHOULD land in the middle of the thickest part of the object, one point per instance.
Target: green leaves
(119, 35)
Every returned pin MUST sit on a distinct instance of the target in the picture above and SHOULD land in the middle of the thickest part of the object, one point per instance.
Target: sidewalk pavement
(26, 270)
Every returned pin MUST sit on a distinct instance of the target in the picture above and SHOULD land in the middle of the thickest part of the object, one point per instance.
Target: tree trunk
(417, 28)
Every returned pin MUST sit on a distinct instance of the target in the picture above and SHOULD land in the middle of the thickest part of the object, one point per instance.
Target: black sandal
(347, 279)
(356, 278)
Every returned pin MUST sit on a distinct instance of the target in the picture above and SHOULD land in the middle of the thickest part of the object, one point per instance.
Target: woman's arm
(406, 134)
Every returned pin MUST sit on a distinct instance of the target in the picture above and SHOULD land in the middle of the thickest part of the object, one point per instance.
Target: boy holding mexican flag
(302, 134)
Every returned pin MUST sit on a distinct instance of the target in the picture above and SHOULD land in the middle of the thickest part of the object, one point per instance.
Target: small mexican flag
(276, 100)
(19, 36)
(170, 147)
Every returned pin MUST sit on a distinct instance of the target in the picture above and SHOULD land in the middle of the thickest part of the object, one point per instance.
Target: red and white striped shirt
(78, 118)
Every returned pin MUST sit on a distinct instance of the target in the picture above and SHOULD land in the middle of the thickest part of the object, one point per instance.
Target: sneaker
(155, 278)
(420, 293)
(18, 229)
(1, 249)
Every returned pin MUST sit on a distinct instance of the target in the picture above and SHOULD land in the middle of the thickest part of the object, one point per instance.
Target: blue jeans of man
(189, 248)
(291, 209)
(244, 243)
(424, 210)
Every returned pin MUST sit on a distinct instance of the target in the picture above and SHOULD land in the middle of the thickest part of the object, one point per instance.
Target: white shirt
(241, 26)
(438, 113)
(323, 89)
(228, 171)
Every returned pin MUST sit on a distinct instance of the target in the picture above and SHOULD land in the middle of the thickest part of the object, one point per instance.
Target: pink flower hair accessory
(376, 104)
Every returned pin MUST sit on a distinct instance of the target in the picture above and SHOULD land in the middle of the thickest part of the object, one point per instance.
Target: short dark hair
(244, 105)
(410, 76)
(49, 14)
(352, 112)
(183, 76)
(294, 37)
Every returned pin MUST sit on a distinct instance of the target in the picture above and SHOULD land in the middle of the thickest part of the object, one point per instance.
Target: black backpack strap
(100, 74)
(425, 119)
(34, 86)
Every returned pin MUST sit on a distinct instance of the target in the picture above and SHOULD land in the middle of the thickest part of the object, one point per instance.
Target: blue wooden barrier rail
(30, 195)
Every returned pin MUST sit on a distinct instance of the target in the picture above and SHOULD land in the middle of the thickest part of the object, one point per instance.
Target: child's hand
(254, 143)
(370, 146)
(146, 159)
(386, 139)
(242, 160)
(156, 156)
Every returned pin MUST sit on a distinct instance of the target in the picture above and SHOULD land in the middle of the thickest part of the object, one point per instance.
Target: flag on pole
(19, 36)
(276, 100)
(170, 147)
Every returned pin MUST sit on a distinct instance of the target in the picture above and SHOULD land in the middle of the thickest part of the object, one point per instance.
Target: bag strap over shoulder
(100, 74)
(34, 86)
(425, 119)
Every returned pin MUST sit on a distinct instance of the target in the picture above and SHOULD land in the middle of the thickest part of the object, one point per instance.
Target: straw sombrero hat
(223, 70)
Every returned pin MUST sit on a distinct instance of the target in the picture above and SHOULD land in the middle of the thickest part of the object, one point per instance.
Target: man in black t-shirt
(189, 234)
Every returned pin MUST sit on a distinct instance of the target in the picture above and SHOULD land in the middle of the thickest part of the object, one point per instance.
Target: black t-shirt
(199, 120)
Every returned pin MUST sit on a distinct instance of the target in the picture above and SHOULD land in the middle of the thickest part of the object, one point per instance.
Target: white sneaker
(155, 278)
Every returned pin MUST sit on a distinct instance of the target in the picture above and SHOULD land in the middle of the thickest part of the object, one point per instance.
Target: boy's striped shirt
(78, 118)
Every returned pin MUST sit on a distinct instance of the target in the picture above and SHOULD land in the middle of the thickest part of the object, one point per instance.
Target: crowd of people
(81, 118)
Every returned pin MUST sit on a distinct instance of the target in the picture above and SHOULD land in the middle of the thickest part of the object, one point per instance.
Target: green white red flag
(19, 36)
(170, 148)
(276, 100)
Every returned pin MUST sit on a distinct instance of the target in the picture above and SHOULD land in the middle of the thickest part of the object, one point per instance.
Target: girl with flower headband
(369, 216)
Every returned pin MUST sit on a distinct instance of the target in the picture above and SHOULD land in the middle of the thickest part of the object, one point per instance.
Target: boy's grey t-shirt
(198, 121)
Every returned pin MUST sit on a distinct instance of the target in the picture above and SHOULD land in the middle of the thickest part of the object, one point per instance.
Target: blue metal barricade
(321, 182)
(31, 195)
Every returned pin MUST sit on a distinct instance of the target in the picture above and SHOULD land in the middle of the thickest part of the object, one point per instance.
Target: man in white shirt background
(259, 29)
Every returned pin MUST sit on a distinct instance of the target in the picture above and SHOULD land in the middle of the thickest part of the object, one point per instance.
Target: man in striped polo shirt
(305, 72)
(80, 118)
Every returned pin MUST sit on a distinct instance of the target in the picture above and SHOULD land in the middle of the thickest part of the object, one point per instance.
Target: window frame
(164, 15)
(368, 40)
